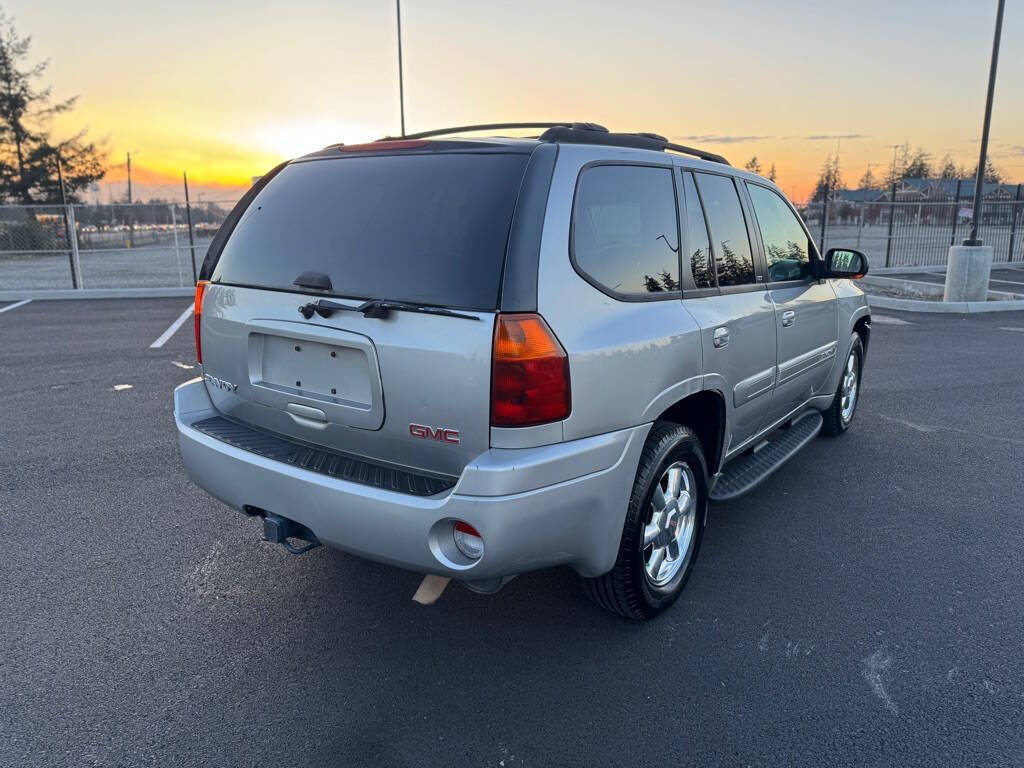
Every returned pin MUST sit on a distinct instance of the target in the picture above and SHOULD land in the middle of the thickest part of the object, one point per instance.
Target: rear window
(423, 228)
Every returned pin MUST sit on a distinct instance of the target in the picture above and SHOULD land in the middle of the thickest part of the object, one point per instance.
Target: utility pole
(131, 219)
(401, 86)
(980, 178)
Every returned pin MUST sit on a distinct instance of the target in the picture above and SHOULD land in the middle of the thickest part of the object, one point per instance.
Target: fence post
(191, 241)
(177, 253)
(1013, 224)
(892, 215)
(956, 212)
(76, 262)
(824, 218)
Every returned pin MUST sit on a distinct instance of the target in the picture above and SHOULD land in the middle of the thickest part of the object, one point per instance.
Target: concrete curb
(943, 307)
(99, 293)
(939, 269)
(920, 288)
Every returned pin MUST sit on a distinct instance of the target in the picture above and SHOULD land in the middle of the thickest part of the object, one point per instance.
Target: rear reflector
(385, 146)
(468, 540)
(197, 311)
(530, 373)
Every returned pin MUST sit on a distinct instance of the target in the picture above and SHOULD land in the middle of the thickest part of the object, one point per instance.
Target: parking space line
(172, 329)
(21, 303)
(1011, 282)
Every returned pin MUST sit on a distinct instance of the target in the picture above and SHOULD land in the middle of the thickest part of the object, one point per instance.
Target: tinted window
(785, 242)
(697, 233)
(625, 230)
(733, 260)
(424, 228)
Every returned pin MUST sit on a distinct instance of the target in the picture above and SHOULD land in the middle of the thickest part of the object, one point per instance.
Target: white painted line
(15, 305)
(122, 387)
(430, 589)
(1009, 328)
(1011, 282)
(886, 320)
(183, 365)
(174, 327)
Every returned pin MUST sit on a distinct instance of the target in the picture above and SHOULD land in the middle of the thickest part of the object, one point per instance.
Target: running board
(745, 473)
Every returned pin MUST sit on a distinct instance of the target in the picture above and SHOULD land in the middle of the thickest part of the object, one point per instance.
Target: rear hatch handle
(376, 308)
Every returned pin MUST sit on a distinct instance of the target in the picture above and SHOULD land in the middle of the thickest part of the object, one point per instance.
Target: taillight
(530, 373)
(197, 312)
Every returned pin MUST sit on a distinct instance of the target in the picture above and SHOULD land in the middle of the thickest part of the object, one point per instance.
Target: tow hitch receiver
(279, 530)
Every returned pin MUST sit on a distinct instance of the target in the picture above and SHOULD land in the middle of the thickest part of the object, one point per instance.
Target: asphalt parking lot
(863, 607)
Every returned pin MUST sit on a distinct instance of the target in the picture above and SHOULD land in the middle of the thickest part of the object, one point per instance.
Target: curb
(938, 268)
(916, 288)
(99, 293)
(943, 307)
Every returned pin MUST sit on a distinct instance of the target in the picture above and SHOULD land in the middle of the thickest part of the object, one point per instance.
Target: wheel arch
(704, 413)
(863, 329)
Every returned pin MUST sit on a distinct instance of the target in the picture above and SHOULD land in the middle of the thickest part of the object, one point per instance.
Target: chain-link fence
(162, 245)
(142, 245)
(916, 233)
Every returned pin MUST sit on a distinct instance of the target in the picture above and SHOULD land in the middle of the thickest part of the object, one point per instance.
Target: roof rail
(468, 128)
(587, 133)
(576, 133)
(709, 156)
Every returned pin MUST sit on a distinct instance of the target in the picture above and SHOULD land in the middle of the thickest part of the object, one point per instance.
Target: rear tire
(663, 530)
(840, 413)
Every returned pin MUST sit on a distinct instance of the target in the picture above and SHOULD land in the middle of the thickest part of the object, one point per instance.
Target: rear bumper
(560, 504)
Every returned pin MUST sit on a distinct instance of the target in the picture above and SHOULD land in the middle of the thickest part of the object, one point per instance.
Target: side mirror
(845, 263)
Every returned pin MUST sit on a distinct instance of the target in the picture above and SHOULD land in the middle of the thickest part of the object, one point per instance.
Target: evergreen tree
(28, 156)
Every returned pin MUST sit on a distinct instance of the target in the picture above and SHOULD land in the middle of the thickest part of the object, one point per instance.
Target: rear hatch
(410, 389)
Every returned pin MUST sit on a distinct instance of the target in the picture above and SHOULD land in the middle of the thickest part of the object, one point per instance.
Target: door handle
(721, 336)
(788, 318)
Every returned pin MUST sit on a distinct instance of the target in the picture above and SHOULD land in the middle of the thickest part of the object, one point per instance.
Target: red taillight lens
(197, 312)
(530, 373)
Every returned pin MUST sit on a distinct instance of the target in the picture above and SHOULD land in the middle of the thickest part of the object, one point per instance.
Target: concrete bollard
(967, 273)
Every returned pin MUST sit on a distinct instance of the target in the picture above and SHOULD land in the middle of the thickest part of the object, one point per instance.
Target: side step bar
(745, 473)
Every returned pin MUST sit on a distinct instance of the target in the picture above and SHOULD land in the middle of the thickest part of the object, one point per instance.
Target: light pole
(980, 178)
(970, 265)
(401, 87)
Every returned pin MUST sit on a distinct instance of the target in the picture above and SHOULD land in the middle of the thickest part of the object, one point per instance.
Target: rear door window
(701, 265)
(734, 261)
(424, 228)
(785, 242)
(625, 229)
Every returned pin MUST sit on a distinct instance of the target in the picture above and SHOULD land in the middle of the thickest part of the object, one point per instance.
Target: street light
(980, 177)
(970, 265)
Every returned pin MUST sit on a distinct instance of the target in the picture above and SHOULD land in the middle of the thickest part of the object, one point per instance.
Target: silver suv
(475, 357)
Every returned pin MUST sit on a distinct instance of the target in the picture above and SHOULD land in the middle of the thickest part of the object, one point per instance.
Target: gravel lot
(862, 607)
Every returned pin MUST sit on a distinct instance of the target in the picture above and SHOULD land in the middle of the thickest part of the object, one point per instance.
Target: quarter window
(785, 241)
(625, 232)
(734, 261)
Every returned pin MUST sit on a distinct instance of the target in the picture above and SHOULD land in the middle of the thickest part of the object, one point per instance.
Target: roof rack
(577, 133)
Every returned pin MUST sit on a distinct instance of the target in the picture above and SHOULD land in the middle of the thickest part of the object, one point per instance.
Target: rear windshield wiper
(376, 308)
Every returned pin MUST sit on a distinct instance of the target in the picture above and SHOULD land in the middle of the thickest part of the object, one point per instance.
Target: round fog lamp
(468, 541)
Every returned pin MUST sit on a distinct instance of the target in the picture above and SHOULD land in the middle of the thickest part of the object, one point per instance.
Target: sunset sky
(227, 89)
